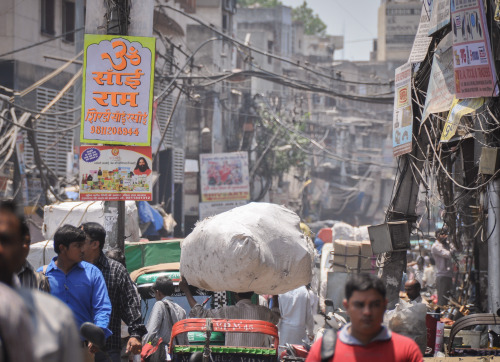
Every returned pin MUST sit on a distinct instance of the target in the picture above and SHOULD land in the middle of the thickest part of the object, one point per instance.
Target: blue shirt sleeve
(101, 303)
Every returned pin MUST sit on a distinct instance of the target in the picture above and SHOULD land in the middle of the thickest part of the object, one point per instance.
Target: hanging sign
(440, 16)
(475, 74)
(459, 108)
(115, 173)
(441, 89)
(422, 40)
(403, 115)
(117, 91)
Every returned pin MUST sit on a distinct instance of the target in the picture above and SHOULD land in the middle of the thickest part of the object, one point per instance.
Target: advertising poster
(440, 15)
(422, 40)
(214, 208)
(475, 73)
(403, 115)
(224, 176)
(441, 89)
(115, 173)
(117, 90)
(459, 108)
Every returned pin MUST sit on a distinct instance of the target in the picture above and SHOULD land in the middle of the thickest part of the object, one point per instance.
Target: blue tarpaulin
(148, 214)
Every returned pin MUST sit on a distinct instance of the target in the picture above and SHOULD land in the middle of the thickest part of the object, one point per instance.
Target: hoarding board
(440, 16)
(224, 176)
(115, 173)
(441, 89)
(117, 90)
(475, 74)
(422, 40)
(403, 114)
(214, 208)
(459, 108)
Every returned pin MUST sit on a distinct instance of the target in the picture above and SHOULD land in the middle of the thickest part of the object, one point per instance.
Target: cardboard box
(345, 256)
(365, 260)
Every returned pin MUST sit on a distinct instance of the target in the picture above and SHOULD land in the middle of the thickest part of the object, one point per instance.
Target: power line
(40, 43)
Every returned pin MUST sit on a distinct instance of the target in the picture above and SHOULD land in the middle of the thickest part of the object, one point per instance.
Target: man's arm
(101, 305)
(184, 287)
(439, 250)
(131, 311)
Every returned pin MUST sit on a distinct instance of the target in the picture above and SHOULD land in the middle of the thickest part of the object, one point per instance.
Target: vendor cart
(219, 353)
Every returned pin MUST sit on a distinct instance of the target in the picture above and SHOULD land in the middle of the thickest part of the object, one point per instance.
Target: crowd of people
(43, 310)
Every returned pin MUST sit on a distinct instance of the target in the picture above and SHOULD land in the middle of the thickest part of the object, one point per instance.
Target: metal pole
(494, 245)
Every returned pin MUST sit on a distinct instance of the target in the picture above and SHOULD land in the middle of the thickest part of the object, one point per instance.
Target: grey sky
(356, 19)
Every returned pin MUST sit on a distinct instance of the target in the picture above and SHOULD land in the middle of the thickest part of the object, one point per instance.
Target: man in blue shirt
(77, 283)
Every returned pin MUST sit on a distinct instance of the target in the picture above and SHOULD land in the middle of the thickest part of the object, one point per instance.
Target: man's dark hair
(116, 254)
(141, 168)
(66, 235)
(95, 232)
(9, 206)
(362, 283)
(164, 285)
(245, 295)
(432, 261)
(441, 231)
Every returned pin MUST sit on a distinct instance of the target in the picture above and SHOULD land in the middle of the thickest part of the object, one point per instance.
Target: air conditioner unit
(391, 236)
(490, 161)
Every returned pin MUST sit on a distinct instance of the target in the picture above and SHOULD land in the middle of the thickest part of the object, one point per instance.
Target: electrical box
(391, 236)
(490, 160)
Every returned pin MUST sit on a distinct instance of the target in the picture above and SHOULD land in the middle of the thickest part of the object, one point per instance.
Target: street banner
(117, 90)
(475, 74)
(115, 173)
(441, 89)
(224, 176)
(422, 40)
(214, 208)
(403, 115)
(459, 108)
(440, 15)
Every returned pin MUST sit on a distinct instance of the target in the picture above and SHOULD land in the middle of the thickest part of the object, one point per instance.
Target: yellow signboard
(459, 108)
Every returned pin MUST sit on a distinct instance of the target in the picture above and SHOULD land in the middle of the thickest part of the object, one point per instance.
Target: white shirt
(430, 275)
(295, 310)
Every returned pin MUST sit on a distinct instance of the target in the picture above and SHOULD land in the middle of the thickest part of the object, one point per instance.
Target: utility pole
(494, 245)
(124, 17)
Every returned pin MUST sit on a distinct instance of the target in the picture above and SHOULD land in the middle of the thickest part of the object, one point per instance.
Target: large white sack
(256, 247)
(361, 233)
(342, 231)
(79, 212)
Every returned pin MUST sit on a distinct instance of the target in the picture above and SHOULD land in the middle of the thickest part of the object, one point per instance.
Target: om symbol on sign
(121, 55)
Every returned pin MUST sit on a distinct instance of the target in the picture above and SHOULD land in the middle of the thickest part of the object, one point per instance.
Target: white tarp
(257, 247)
(79, 212)
(41, 253)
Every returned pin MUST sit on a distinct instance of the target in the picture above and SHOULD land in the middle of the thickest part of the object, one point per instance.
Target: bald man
(412, 289)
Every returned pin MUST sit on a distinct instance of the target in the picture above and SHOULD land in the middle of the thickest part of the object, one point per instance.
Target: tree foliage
(313, 25)
(263, 3)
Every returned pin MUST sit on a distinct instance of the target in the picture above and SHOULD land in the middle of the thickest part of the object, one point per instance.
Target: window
(68, 20)
(48, 7)
(270, 45)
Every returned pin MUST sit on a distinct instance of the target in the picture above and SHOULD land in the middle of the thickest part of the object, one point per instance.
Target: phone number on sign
(114, 130)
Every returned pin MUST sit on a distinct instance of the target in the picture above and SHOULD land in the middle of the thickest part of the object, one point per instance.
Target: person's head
(142, 164)
(412, 289)
(14, 241)
(68, 243)
(116, 254)
(432, 261)
(442, 235)
(365, 304)
(95, 236)
(163, 287)
(243, 295)
(420, 262)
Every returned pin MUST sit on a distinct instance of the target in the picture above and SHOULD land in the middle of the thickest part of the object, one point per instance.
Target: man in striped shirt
(244, 309)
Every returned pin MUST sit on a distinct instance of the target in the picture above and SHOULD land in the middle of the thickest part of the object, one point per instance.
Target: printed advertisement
(473, 62)
(115, 173)
(441, 89)
(224, 176)
(459, 108)
(403, 114)
(422, 40)
(214, 208)
(117, 90)
(440, 15)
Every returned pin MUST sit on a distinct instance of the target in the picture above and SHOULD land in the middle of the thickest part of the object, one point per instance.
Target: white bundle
(258, 247)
